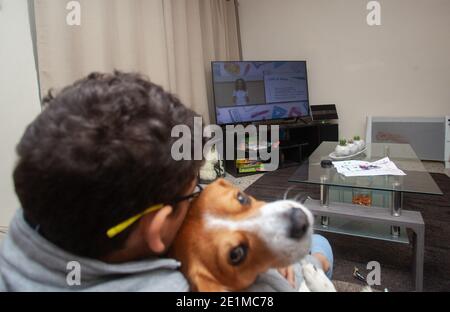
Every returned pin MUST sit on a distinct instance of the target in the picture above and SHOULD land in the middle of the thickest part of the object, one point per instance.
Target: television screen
(256, 91)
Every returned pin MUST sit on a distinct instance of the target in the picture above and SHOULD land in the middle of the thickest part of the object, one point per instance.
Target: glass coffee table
(370, 206)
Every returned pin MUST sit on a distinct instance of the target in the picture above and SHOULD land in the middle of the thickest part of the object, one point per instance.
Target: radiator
(426, 135)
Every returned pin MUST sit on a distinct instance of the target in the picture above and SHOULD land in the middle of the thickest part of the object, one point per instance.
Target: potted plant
(353, 148)
(342, 149)
(359, 142)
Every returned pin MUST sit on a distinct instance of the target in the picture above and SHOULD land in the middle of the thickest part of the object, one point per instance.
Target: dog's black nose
(299, 223)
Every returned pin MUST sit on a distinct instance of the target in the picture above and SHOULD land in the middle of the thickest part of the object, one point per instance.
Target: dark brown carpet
(395, 259)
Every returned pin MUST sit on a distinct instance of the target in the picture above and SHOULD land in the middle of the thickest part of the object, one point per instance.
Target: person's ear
(153, 225)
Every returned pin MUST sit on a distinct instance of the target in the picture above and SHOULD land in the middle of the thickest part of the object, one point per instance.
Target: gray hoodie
(28, 262)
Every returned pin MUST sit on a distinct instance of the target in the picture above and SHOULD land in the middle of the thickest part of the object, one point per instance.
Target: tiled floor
(244, 182)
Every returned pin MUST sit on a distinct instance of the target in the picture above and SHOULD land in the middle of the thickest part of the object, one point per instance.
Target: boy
(98, 154)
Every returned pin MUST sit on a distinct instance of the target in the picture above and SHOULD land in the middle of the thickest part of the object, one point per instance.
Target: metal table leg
(396, 207)
(419, 252)
(324, 200)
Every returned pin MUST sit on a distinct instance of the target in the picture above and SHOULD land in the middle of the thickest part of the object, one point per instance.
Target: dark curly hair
(99, 153)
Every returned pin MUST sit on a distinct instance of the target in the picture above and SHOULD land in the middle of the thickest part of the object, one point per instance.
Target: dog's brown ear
(205, 283)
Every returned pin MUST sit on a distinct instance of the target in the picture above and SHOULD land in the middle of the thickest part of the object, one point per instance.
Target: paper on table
(358, 168)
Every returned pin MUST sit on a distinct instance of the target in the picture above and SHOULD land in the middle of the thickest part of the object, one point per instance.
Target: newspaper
(359, 168)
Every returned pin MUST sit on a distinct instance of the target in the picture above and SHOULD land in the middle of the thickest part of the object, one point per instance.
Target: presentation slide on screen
(285, 87)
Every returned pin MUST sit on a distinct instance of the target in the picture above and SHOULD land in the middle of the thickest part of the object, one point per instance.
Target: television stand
(297, 142)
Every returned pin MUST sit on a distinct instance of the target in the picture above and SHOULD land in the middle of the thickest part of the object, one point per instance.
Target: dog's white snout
(285, 226)
(288, 229)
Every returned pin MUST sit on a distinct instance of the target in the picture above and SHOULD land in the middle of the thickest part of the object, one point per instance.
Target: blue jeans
(321, 245)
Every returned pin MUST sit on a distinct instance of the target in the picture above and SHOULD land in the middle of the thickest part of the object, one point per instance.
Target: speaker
(324, 112)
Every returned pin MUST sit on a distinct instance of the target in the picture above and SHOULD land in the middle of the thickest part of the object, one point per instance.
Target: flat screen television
(250, 91)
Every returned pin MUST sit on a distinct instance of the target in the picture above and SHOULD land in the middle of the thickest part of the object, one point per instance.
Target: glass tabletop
(416, 180)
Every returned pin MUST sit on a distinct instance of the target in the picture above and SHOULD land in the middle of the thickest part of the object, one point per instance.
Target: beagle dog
(228, 238)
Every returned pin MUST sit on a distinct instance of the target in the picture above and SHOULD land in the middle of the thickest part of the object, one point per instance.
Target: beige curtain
(170, 41)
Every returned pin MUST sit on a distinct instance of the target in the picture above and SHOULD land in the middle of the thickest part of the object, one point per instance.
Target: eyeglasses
(119, 228)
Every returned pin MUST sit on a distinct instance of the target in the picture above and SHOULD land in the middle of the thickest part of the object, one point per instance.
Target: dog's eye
(243, 199)
(238, 254)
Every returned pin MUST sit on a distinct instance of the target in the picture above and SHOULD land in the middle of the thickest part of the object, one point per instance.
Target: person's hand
(288, 273)
(323, 260)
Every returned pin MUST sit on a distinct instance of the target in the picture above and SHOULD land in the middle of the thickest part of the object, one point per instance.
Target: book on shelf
(250, 167)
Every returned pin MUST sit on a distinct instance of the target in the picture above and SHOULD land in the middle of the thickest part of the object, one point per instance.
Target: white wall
(19, 97)
(401, 68)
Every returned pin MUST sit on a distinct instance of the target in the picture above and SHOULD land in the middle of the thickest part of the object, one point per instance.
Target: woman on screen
(240, 94)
